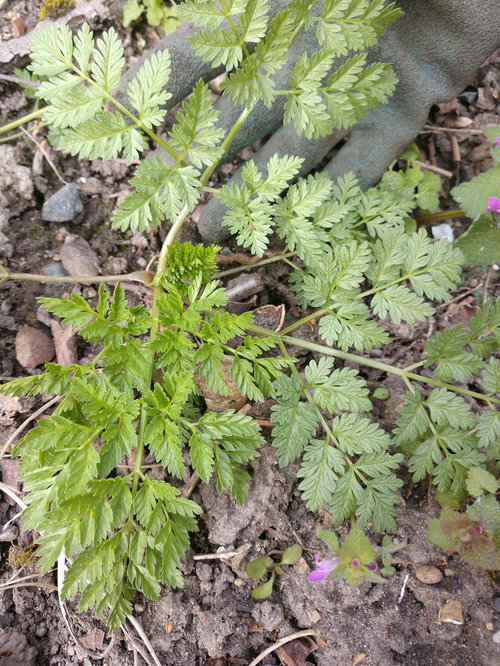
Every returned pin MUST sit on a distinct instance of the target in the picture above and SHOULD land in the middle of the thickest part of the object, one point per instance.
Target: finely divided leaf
(146, 92)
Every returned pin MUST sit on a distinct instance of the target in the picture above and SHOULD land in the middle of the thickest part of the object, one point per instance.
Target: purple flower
(355, 563)
(498, 140)
(479, 529)
(322, 568)
(493, 205)
(372, 566)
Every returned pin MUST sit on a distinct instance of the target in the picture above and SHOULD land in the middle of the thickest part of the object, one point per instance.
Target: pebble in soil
(63, 206)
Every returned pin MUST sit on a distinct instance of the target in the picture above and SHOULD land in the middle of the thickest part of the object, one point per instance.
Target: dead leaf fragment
(19, 26)
(219, 403)
(94, 640)
(296, 652)
(270, 316)
(428, 574)
(451, 612)
(358, 658)
(64, 343)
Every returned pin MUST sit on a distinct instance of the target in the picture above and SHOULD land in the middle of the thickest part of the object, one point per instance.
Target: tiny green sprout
(381, 394)
(157, 13)
(355, 559)
(259, 568)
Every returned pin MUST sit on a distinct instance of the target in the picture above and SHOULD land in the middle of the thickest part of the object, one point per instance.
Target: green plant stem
(137, 121)
(93, 279)
(304, 320)
(226, 143)
(440, 215)
(371, 363)
(229, 18)
(140, 449)
(414, 366)
(306, 394)
(258, 264)
(34, 115)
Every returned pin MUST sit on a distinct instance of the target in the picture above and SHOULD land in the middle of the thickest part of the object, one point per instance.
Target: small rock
(443, 230)
(243, 286)
(358, 658)
(9, 533)
(33, 347)
(451, 612)
(62, 206)
(78, 258)
(41, 630)
(428, 574)
(6, 321)
(314, 616)
(10, 405)
(496, 637)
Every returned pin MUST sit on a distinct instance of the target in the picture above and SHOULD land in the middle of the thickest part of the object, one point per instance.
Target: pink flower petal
(322, 568)
(317, 575)
(493, 205)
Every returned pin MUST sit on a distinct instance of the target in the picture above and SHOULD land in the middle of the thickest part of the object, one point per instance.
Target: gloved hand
(435, 49)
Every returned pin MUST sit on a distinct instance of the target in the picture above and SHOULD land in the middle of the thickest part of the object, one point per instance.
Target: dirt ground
(214, 621)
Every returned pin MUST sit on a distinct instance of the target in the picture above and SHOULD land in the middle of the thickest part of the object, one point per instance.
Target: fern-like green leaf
(146, 92)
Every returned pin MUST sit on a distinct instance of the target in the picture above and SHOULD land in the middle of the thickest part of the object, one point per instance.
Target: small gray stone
(62, 206)
(496, 637)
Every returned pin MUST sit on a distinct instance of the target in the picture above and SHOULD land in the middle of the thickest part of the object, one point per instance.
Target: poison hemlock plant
(356, 263)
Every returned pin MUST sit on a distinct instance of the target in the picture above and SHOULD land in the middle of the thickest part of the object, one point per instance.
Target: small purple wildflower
(373, 566)
(322, 568)
(355, 563)
(479, 529)
(498, 140)
(493, 205)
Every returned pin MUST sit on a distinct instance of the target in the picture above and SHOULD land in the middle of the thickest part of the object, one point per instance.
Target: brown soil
(214, 621)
